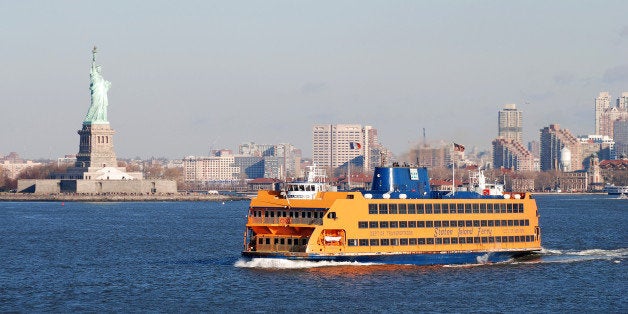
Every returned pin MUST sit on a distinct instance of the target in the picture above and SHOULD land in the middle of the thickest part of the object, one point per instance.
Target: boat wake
(571, 256)
(278, 263)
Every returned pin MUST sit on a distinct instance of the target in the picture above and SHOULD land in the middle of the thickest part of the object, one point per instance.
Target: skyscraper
(560, 150)
(512, 154)
(602, 102)
(332, 144)
(510, 123)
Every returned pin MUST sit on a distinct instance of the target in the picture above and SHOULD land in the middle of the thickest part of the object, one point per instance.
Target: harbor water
(185, 256)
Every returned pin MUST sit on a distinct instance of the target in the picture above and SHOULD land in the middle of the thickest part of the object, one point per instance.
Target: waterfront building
(219, 167)
(560, 150)
(606, 115)
(510, 123)
(602, 102)
(601, 146)
(511, 154)
(336, 145)
(12, 164)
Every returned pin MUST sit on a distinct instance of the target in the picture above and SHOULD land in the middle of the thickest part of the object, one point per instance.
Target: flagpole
(349, 173)
(453, 169)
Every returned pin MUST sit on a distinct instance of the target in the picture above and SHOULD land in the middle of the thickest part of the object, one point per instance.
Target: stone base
(55, 186)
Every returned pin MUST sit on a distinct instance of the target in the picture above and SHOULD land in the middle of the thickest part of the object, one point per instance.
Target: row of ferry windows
(443, 223)
(282, 241)
(427, 241)
(291, 214)
(445, 208)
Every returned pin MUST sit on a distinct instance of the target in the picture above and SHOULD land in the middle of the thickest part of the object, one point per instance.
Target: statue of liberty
(97, 113)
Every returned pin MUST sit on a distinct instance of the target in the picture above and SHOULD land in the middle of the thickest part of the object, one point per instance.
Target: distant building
(509, 153)
(601, 146)
(620, 131)
(13, 164)
(336, 145)
(220, 167)
(606, 115)
(434, 157)
(560, 150)
(602, 103)
(510, 122)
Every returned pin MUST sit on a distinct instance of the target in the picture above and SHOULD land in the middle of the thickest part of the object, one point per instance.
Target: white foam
(571, 256)
(279, 263)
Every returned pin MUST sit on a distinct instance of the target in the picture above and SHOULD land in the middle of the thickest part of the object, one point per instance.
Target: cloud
(616, 74)
(623, 33)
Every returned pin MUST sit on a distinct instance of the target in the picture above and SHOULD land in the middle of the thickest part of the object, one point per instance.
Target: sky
(190, 76)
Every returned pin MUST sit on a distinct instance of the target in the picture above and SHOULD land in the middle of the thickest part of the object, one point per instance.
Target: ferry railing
(285, 221)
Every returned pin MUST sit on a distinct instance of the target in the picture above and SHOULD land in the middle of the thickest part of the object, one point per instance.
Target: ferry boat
(616, 190)
(398, 221)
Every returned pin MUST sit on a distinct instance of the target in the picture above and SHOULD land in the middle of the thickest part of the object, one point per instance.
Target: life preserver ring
(486, 192)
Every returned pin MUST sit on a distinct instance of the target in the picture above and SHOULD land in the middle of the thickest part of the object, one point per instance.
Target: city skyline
(184, 75)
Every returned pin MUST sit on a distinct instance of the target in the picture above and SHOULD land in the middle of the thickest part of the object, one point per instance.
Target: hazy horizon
(193, 75)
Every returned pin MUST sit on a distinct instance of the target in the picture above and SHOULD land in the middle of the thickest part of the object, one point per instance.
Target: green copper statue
(97, 113)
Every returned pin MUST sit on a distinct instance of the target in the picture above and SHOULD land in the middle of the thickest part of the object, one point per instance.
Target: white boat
(616, 190)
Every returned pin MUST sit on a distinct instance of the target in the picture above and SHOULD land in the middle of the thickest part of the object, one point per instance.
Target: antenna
(424, 140)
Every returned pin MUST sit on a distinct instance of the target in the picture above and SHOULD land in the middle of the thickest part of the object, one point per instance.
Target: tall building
(602, 102)
(620, 130)
(510, 123)
(509, 153)
(560, 150)
(334, 145)
(606, 115)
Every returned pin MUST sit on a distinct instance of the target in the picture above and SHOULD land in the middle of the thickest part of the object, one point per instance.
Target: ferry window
(462, 240)
(511, 239)
(403, 241)
(469, 239)
(491, 240)
(439, 241)
(303, 241)
(445, 208)
(291, 214)
(516, 223)
(430, 240)
(260, 241)
(476, 223)
(498, 239)
(460, 208)
(489, 208)
(453, 223)
(504, 239)
(272, 214)
(510, 223)
(421, 224)
(403, 224)
(302, 214)
(460, 223)
(411, 224)
(383, 224)
(504, 223)
(437, 224)
(483, 223)
(402, 209)
(528, 238)
(364, 242)
(392, 208)
(373, 224)
(267, 240)
(276, 241)
(468, 223)
(484, 240)
(454, 240)
(411, 209)
(429, 224)
(490, 223)
(282, 241)
(509, 208)
(517, 239)
(420, 209)
(412, 241)
(503, 208)
(289, 241)
(446, 223)
(352, 242)
(309, 214)
(497, 224)
(266, 214)
(284, 214)
(421, 241)
(527, 222)
(372, 209)
(332, 215)
(363, 224)
(394, 241)
(383, 208)
(436, 208)
(384, 242)
(483, 208)
(467, 208)
(374, 242)
(394, 224)
(476, 208)
(446, 241)
(428, 208)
